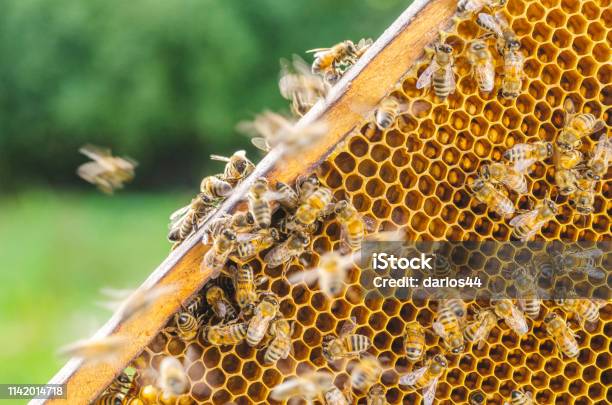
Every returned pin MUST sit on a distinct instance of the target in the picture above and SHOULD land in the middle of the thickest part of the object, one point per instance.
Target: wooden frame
(373, 77)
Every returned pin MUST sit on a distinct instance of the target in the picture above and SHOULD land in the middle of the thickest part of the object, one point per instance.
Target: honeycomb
(413, 176)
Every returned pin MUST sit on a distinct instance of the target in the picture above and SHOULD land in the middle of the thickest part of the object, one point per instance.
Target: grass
(57, 250)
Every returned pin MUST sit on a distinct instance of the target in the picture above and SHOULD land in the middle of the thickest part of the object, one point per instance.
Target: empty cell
(419, 222)
(551, 74)
(467, 85)
(345, 162)
(469, 162)
(589, 88)
(546, 53)
(482, 148)
(521, 26)
(400, 158)
(561, 38)
(511, 118)
(440, 114)
(362, 202)
(556, 18)
(388, 173)
(492, 111)
(380, 153)
(381, 208)
(536, 90)
(230, 363)
(407, 178)
(459, 120)
(438, 170)
(601, 52)
(570, 81)
(426, 129)
(358, 146)
(431, 149)
(366, 168)
(374, 187)
(582, 45)
(445, 135)
(237, 385)
(215, 377)
(535, 12)
(211, 357)
(576, 24)
(334, 179)
(473, 105)
(419, 164)
(201, 391)
(394, 139)
(566, 60)
(450, 156)
(394, 194)
(542, 111)
(542, 33)
(570, 6)
(426, 185)
(596, 31)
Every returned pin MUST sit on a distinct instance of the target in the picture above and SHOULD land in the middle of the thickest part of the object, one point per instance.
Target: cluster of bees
(575, 175)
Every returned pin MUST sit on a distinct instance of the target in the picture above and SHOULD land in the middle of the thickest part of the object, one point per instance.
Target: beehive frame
(439, 148)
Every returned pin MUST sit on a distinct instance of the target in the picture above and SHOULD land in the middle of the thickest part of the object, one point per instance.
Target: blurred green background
(162, 81)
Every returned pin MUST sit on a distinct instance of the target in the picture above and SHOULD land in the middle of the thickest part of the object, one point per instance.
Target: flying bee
(95, 350)
(280, 346)
(220, 304)
(414, 341)
(576, 126)
(440, 71)
(528, 224)
(478, 330)
(286, 196)
(346, 345)
(507, 41)
(486, 192)
(477, 398)
(527, 293)
(173, 379)
(353, 224)
(451, 299)
(129, 303)
(106, 171)
(520, 397)
(286, 251)
(426, 378)
(448, 328)
(365, 373)
(376, 395)
(387, 112)
(213, 187)
(499, 173)
(223, 245)
(300, 86)
(249, 245)
(564, 337)
(308, 386)
(314, 206)
(237, 167)
(223, 335)
(330, 273)
(584, 196)
(264, 313)
(465, 7)
(483, 68)
(259, 203)
(185, 220)
(336, 396)
(598, 164)
(512, 316)
(523, 155)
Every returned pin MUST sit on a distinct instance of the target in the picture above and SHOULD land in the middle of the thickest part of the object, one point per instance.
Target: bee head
(445, 48)
(590, 174)
(441, 360)
(341, 206)
(477, 184)
(516, 394)
(229, 234)
(550, 317)
(513, 44)
(478, 45)
(249, 218)
(240, 165)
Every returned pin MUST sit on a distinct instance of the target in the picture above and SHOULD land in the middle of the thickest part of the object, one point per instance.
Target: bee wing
(599, 124)
(347, 327)
(450, 77)
(517, 321)
(301, 66)
(486, 74)
(308, 276)
(261, 144)
(90, 170)
(178, 215)
(570, 110)
(245, 237)
(591, 271)
(318, 51)
(587, 254)
(488, 21)
(523, 165)
(412, 377)
(219, 158)
(95, 152)
(524, 218)
(603, 148)
(429, 393)
(439, 329)
(424, 79)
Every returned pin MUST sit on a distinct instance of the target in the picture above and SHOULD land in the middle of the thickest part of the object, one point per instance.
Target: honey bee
(314, 206)
(576, 126)
(583, 261)
(286, 251)
(173, 379)
(512, 81)
(286, 196)
(387, 112)
(122, 383)
(223, 245)
(507, 41)
(237, 167)
(186, 219)
(308, 386)
(377, 395)
(223, 335)
(245, 284)
(448, 328)
(220, 304)
(264, 313)
(300, 86)
(305, 186)
(241, 221)
(440, 71)
(451, 299)
(477, 398)
(523, 155)
(289, 225)
(598, 164)
(414, 341)
(186, 325)
(566, 181)
(110, 398)
(249, 245)
(473, 6)
(365, 373)
(564, 337)
(95, 350)
(353, 225)
(528, 224)
(483, 68)
(586, 310)
(520, 397)
(499, 173)
(213, 187)
(584, 196)
(328, 61)
(527, 293)
(280, 346)
(106, 171)
(330, 273)
(512, 316)
(478, 330)
(486, 193)
(259, 204)
(129, 303)
(426, 377)
(346, 345)
(335, 396)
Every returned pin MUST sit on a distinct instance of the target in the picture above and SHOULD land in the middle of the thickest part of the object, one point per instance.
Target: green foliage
(163, 81)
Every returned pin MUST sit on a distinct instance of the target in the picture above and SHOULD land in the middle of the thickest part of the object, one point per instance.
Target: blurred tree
(163, 81)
